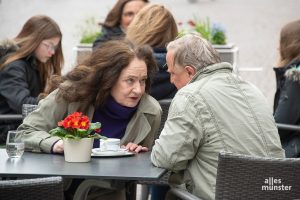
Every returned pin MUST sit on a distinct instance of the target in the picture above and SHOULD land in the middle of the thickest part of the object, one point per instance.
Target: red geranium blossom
(76, 125)
(75, 120)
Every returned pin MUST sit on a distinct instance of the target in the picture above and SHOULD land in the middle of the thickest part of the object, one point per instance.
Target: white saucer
(98, 152)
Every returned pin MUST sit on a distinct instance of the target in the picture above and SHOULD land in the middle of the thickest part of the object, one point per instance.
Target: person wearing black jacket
(287, 96)
(118, 19)
(27, 63)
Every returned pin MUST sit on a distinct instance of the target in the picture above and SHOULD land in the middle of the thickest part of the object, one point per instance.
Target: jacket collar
(143, 107)
(7, 47)
(138, 128)
(291, 71)
(218, 67)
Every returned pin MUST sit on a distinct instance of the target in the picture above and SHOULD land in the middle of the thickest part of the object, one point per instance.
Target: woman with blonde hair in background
(155, 25)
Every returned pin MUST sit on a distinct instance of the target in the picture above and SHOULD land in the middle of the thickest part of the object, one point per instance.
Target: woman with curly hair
(110, 87)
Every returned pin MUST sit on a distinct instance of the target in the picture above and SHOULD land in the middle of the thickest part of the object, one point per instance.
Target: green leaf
(58, 131)
(94, 126)
(219, 38)
(71, 136)
(90, 37)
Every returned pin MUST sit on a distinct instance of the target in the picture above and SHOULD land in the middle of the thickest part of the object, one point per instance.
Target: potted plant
(78, 135)
(89, 31)
(216, 35)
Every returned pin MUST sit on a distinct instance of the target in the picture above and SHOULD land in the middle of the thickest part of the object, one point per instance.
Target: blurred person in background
(155, 25)
(287, 96)
(118, 19)
(26, 64)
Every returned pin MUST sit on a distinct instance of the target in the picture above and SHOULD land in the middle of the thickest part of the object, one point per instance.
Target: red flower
(75, 121)
(77, 125)
(84, 122)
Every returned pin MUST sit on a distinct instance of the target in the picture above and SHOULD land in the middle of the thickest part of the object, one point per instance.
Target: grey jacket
(141, 129)
(216, 111)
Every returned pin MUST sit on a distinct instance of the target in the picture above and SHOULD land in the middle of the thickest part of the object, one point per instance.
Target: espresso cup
(110, 144)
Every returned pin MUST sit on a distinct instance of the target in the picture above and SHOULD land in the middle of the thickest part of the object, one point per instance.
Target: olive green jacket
(34, 131)
(216, 111)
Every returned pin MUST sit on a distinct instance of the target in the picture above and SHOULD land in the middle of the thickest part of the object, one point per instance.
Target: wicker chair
(50, 188)
(250, 177)
(165, 104)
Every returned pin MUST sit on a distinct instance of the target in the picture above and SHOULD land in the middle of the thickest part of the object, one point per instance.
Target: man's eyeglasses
(50, 47)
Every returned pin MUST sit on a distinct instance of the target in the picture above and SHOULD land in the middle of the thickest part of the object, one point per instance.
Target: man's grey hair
(193, 50)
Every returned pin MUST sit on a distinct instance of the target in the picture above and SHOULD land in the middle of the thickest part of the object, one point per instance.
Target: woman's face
(46, 49)
(129, 11)
(131, 84)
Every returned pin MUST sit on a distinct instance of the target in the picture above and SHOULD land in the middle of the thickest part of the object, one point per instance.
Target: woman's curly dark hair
(91, 82)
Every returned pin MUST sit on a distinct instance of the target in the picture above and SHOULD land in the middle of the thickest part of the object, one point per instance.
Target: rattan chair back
(50, 188)
(250, 177)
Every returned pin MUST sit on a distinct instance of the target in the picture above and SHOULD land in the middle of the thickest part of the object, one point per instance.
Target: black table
(136, 167)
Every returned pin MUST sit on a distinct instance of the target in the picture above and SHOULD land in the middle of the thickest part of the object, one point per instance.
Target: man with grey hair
(213, 110)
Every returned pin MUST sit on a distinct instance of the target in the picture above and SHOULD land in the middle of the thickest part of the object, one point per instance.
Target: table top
(136, 167)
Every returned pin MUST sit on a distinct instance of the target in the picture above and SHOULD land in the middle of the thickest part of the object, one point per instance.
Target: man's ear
(190, 70)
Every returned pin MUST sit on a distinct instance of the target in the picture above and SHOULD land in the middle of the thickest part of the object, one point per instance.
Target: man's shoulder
(186, 98)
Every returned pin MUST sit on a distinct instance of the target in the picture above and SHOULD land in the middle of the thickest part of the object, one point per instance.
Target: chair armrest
(288, 127)
(182, 194)
(11, 117)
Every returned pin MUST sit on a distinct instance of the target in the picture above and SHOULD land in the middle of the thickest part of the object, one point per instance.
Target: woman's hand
(58, 147)
(135, 147)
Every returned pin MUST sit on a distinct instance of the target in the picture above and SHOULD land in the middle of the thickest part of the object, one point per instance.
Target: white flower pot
(228, 53)
(78, 150)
